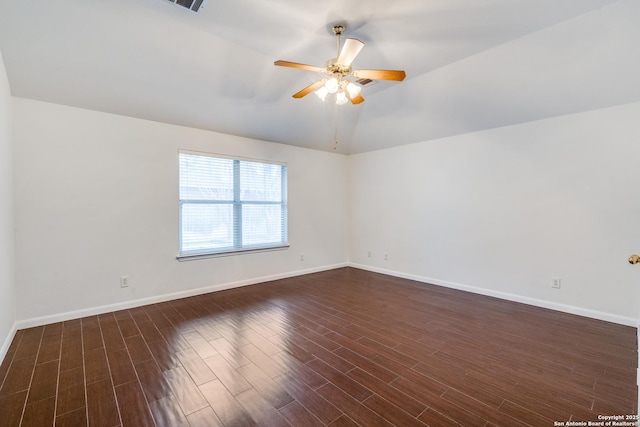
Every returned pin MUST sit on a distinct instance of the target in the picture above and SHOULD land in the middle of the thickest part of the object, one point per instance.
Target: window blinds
(229, 205)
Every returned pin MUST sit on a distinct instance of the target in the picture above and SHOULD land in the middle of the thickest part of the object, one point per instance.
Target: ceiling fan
(338, 70)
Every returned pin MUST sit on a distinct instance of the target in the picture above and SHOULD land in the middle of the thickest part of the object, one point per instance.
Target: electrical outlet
(386, 257)
(369, 254)
(555, 282)
(301, 257)
(124, 282)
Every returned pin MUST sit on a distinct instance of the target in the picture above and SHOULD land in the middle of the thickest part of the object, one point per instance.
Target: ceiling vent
(194, 6)
(364, 82)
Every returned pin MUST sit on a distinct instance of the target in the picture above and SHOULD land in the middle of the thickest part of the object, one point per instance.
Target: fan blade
(298, 65)
(307, 90)
(358, 99)
(397, 75)
(349, 51)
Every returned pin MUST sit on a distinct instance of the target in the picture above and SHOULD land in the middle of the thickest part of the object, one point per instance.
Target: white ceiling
(470, 64)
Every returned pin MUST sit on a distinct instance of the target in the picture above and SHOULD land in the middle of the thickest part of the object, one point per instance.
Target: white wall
(502, 211)
(7, 250)
(97, 198)
(499, 212)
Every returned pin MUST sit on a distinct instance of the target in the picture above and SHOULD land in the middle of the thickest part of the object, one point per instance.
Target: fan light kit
(338, 70)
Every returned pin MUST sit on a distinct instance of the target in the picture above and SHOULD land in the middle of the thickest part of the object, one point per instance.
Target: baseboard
(594, 314)
(7, 342)
(92, 311)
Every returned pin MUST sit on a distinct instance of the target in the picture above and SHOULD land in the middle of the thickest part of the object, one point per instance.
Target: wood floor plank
(90, 322)
(73, 325)
(404, 401)
(204, 418)
(226, 407)
(196, 367)
(167, 413)
(122, 370)
(19, 376)
(40, 412)
(329, 357)
(347, 404)
(50, 346)
(96, 365)
(321, 340)
(298, 415)
(139, 315)
(101, 404)
(11, 408)
(344, 421)
(476, 406)
(348, 385)
(4, 366)
(289, 346)
(153, 383)
(312, 401)
(519, 413)
(231, 378)
(158, 318)
(436, 419)
(92, 338)
(302, 372)
(201, 346)
(164, 356)
(389, 352)
(138, 350)
(150, 332)
(71, 352)
(185, 390)
(107, 321)
(77, 418)
(175, 341)
(390, 412)
(260, 410)
(70, 378)
(341, 347)
(113, 340)
(128, 327)
(230, 352)
(70, 399)
(366, 365)
(208, 331)
(271, 390)
(267, 364)
(262, 342)
(44, 382)
(52, 330)
(133, 406)
(460, 415)
(29, 343)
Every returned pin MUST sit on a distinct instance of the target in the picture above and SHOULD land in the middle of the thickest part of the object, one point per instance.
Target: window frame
(237, 204)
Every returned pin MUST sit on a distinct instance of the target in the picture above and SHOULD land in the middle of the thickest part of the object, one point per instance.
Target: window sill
(206, 255)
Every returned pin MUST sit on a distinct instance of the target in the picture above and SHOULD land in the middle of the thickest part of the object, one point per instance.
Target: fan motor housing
(332, 68)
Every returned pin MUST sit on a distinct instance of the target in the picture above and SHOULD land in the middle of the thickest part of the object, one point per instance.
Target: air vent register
(194, 6)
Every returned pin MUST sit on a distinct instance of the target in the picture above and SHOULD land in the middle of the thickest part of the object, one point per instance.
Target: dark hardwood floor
(340, 348)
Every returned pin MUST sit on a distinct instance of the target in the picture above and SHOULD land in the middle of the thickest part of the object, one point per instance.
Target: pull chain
(335, 126)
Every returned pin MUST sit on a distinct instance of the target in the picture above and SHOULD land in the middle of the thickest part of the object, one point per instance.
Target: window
(230, 205)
